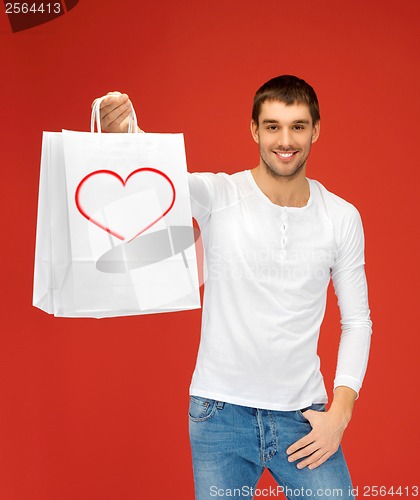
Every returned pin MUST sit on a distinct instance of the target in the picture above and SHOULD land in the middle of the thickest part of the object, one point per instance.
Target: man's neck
(284, 191)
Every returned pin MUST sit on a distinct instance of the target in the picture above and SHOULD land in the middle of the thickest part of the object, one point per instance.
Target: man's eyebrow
(303, 122)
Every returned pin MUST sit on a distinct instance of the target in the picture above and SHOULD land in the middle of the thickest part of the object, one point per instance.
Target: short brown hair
(288, 89)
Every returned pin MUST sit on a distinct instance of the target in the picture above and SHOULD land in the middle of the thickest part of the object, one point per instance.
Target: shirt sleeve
(349, 279)
(201, 195)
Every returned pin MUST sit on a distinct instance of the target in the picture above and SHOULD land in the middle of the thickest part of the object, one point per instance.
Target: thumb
(308, 414)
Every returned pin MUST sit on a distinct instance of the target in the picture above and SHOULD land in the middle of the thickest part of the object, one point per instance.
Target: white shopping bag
(114, 232)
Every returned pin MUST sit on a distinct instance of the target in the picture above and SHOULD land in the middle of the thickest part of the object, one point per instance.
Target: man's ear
(315, 131)
(254, 131)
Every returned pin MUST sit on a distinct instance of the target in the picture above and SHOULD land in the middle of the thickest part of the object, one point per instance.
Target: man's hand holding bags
(115, 112)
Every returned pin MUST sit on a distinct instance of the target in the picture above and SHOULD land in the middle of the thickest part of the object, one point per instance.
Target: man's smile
(285, 155)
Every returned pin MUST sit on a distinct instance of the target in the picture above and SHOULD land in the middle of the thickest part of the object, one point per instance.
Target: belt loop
(220, 404)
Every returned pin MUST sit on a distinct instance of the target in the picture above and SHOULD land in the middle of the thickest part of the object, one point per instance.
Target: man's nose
(284, 138)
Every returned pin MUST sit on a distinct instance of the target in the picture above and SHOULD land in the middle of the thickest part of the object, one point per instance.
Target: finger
(307, 413)
(312, 459)
(113, 101)
(303, 452)
(323, 459)
(308, 439)
(113, 109)
(117, 116)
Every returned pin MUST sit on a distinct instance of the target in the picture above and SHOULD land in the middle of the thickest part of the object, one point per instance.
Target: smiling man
(273, 239)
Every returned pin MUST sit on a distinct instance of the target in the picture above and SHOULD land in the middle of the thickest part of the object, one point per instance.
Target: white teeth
(285, 155)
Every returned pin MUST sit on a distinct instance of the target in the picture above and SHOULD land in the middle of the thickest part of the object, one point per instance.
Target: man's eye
(298, 127)
(272, 127)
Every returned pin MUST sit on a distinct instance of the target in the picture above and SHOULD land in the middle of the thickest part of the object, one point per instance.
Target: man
(272, 239)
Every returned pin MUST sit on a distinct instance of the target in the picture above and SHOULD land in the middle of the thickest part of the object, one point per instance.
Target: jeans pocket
(201, 409)
(316, 407)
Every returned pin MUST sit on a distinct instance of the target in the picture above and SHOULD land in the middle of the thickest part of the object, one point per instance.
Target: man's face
(285, 134)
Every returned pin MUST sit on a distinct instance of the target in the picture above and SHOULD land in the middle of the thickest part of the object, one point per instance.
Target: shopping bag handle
(96, 118)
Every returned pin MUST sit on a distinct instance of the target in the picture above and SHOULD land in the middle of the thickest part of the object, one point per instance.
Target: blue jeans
(232, 445)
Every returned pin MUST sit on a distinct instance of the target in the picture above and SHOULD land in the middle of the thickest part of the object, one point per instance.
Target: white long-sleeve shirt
(267, 271)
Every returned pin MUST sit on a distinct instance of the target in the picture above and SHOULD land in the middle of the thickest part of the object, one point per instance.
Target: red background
(95, 409)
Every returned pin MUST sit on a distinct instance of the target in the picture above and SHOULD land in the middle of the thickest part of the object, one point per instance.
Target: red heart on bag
(112, 231)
